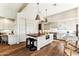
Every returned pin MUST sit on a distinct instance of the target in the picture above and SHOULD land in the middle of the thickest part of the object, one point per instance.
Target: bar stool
(30, 43)
(4, 39)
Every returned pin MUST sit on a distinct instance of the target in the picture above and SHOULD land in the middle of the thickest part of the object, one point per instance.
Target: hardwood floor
(56, 48)
(53, 49)
(7, 49)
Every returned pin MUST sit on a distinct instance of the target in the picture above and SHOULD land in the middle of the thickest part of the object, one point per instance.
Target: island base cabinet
(42, 41)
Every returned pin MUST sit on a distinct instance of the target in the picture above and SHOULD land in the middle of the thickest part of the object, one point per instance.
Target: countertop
(37, 35)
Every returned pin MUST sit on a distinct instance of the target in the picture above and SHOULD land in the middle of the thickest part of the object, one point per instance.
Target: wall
(7, 12)
(7, 24)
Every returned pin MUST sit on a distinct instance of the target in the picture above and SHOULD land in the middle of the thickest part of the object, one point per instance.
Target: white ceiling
(14, 6)
(9, 10)
(31, 10)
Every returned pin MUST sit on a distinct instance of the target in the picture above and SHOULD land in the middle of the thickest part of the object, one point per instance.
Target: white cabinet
(12, 39)
(42, 41)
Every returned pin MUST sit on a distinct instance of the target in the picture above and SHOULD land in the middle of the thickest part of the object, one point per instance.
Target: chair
(4, 39)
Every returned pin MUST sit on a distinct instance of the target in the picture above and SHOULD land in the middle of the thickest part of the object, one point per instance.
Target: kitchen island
(41, 40)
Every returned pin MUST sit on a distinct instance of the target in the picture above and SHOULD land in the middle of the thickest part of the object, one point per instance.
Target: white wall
(7, 12)
(7, 24)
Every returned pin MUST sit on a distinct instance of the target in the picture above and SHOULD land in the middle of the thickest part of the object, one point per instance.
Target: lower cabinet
(42, 41)
(12, 39)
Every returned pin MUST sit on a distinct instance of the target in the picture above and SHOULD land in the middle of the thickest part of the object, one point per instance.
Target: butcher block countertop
(37, 35)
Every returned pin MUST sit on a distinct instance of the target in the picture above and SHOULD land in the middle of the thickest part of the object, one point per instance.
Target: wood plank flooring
(56, 48)
(7, 49)
(53, 49)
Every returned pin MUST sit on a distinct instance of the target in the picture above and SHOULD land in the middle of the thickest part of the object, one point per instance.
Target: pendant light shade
(37, 16)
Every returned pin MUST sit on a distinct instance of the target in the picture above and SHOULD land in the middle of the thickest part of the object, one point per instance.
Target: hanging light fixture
(46, 16)
(37, 16)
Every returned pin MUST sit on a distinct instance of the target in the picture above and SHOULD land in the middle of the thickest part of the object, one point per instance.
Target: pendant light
(46, 15)
(37, 16)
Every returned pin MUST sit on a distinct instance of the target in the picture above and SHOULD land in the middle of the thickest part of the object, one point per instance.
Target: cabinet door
(11, 40)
